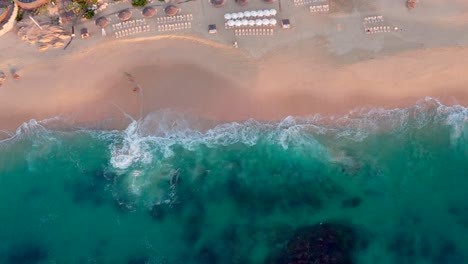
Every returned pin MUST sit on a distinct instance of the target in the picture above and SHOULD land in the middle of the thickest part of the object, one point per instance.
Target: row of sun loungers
(176, 26)
(131, 31)
(254, 32)
(129, 24)
(380, 29)
(373, 19)
(319, 8)
(179, 18)
(307, 2)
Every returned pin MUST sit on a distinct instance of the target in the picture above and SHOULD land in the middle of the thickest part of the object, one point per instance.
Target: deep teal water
(171, 190)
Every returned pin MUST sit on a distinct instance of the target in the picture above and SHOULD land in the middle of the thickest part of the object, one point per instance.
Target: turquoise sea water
(172, 189)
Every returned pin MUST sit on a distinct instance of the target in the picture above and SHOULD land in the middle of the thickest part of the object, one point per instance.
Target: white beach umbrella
(266, 13)
(273, 22)
(245, 22)
(251, 22)
(253, 13)
(258, 22)
(240, 15)
(247, 14)
(234, 15)
(273, 12)
(238, 23)
(260, 13)
(231, 23)
(266, 21)
(227, 16)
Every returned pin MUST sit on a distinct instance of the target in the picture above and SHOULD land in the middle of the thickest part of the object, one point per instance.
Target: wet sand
(224, 83)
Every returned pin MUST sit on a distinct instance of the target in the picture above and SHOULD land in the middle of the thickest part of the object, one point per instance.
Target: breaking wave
(159, 132)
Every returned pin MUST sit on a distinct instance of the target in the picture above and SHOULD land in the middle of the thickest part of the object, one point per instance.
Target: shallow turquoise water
(171, 190)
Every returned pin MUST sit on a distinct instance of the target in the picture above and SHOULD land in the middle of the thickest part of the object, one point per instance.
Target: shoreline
(159, 123)
(245, 87)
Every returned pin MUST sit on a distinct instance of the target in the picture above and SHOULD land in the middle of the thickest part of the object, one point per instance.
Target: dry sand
(301, 77)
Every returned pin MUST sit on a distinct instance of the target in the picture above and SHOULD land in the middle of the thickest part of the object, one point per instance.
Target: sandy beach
(300, 74)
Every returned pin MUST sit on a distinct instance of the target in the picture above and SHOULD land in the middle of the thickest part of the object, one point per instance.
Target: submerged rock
(159, 211)
(409, 245)
(138, 260)
(324, 243)
(351, 202)
(91, 189)
(207, 255)
(460, 213)
(26, 254)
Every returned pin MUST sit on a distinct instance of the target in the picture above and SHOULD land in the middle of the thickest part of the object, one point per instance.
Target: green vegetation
(81, 7)
(83, 4)
(20, 14)
(137, 3)
(42, 10)
(89, 14)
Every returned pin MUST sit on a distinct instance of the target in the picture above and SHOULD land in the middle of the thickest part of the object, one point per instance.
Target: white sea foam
(32, 128)
(143, 138)
(132, 149)
(158, 133)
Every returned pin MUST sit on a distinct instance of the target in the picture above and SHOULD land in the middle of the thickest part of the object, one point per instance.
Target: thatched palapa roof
(125, 15)
(102, 22)
(410, 4)
(217, 3)
(148, 12)
(171, 10)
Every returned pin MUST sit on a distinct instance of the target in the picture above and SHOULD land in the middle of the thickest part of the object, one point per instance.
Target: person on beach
(15, 75)
(136, 89)
(2, 78)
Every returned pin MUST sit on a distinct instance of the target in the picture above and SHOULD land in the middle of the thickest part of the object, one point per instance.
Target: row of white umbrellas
(251, 22)
(247, 14)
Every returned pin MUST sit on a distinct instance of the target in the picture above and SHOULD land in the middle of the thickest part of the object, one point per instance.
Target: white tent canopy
(273, 21)
(266, 21)
(238, 23)
(252, 22)
(251, 14)
(245, 22)
(258, 22)
(231, 23)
